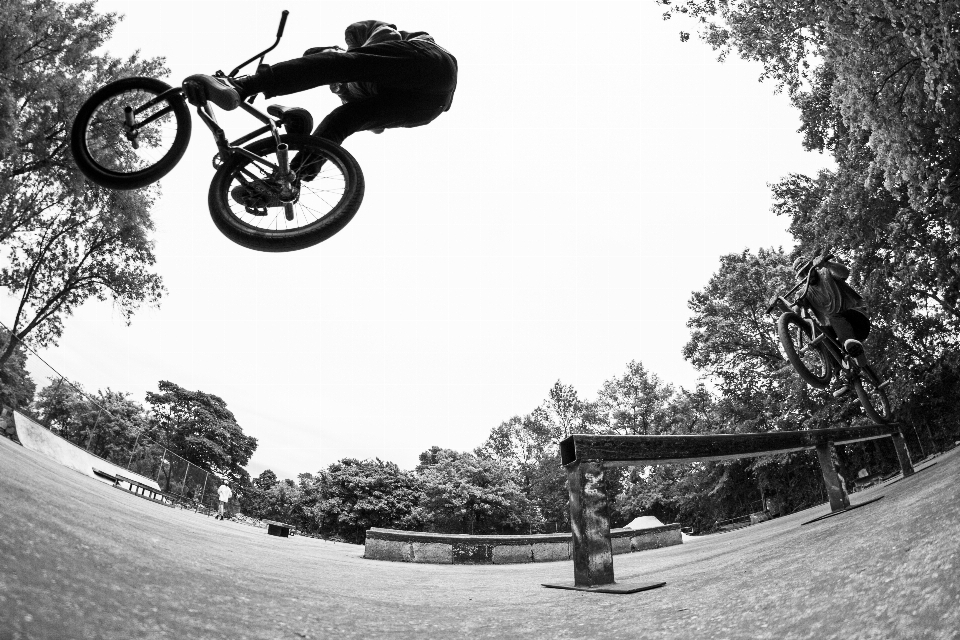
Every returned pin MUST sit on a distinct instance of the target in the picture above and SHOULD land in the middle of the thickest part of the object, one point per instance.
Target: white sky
(552, 225)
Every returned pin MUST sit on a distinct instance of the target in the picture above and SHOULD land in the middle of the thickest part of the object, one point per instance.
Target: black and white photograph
(519, 319)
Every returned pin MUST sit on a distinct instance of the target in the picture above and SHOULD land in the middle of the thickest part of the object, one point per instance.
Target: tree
(199, 427)
(60, 406)
(64, 240)
(463, 493)
(117, 423)
(897, 70)
(16, 385)
(107, 424)
(692, 412)
(351, 496)
(254, 502)
(635, 403)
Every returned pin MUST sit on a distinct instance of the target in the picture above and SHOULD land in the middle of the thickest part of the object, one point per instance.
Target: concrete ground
(80, 559)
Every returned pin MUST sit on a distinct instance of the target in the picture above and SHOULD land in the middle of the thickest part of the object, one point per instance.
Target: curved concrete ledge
(446, 548)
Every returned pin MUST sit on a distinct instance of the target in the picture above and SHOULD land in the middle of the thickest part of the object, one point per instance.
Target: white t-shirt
(225, 493)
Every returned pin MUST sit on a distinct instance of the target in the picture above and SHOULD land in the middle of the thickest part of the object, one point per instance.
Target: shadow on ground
(80, 559)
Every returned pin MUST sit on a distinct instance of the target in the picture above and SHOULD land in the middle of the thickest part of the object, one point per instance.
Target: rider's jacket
(830, 295)
(364, 33)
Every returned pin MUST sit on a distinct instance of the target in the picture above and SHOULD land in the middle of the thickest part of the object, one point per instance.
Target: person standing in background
(224, 493)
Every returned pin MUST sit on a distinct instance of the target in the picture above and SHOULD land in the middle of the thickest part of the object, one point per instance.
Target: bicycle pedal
(256, 211)
(841, 391)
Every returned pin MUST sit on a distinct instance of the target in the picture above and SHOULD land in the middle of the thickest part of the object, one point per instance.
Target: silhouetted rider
(836, 304)
(386, 79)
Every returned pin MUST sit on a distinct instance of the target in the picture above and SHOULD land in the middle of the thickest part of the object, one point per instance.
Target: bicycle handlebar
(262, 54)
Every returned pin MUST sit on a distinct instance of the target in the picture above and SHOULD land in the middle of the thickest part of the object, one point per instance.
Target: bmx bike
(132, 132)
(817, 355)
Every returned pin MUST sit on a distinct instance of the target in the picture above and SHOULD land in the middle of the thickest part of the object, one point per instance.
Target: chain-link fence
(91, 426)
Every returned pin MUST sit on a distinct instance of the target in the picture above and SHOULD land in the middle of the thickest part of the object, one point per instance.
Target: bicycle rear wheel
(124, 137)
(811, 361)
(321, 207)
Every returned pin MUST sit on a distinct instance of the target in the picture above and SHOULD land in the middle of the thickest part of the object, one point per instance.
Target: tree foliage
(106, 424)
(636, 402)
(199, 427)
(464, 493)
(351, 496)
(16, 385)
(64, 239)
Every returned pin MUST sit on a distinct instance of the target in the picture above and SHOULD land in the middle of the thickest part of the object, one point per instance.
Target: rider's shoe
(200, 87)
(855, 349)
(257, 197)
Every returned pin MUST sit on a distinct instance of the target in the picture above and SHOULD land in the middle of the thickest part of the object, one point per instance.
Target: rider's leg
(409, 65)
(847, 337)
(385, 111)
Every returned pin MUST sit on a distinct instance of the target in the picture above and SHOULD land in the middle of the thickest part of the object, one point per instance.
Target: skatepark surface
(81, 559)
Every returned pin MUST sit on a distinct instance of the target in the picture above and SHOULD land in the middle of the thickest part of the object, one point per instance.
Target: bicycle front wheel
(322, 205)
(873, 399)
(126, 136)
(810, 360)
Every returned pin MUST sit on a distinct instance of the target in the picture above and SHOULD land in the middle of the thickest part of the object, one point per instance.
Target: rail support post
(903, 455)
(838, 497)
(590, 525)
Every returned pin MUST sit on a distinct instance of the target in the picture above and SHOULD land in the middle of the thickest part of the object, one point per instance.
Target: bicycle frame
(226, 148)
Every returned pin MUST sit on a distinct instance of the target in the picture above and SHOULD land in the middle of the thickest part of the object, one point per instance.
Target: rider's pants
(416, 81)
(850, 325)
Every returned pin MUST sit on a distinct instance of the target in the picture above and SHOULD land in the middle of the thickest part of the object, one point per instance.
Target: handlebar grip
(283, 22)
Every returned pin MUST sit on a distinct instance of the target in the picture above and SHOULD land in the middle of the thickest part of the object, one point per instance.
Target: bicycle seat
(295, 119)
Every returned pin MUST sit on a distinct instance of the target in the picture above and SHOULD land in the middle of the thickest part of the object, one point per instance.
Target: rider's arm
(838, 271)
(313, 50)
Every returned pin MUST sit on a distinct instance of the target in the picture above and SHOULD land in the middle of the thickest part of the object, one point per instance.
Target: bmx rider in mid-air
(836, 304)
(386, 79)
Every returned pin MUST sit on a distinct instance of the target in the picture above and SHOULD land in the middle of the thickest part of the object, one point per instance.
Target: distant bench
(136, 487)
(278, 528)
(585, 457)
(146, 491)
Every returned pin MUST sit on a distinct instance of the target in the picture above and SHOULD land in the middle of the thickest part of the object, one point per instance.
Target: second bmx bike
(132, 132)
(817, 355)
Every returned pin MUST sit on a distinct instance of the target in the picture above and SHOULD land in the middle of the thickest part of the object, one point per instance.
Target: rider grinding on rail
(386, 79)
(836, 303)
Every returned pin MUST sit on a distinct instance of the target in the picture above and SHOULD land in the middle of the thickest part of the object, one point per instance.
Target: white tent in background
(644, 522)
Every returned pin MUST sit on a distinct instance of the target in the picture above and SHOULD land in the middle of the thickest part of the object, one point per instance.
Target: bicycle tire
(240, 228)
(879, 414)
(93, 164)
(788, 322)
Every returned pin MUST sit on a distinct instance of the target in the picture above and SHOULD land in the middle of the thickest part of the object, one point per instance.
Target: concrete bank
(443, 548)
(35, 437)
